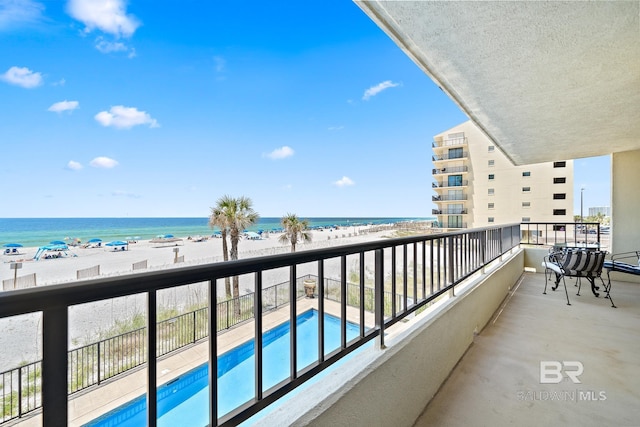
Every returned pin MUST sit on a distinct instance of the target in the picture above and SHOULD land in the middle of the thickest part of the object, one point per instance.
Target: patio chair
(574, 263)
(620, 262)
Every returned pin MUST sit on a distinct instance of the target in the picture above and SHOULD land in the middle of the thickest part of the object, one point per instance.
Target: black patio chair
(574, 263)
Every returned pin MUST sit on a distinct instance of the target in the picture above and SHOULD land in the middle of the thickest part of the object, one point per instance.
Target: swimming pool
(184, 401)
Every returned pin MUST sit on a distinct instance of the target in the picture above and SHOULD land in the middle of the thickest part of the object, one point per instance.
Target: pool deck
(89, 404)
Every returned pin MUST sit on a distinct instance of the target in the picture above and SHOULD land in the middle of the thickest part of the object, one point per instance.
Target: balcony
(447, 156)
(417, 272)
(461, 211)
(448, 198)
(449, 170)
(449, 285)
(455, 142)
(448, 184)
(452, 225)
(497, 381)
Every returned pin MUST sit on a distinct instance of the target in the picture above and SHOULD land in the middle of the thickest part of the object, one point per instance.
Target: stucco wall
(393, 386)
(625, 212)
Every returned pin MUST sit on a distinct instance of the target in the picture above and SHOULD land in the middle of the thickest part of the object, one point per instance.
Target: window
(491, 191)
(526, 189)
(491, 219)
(526, 219)
(526, 204)
(559, 164)
(559, 180)
(491, 148)
(491, 176)
(492, 162)
(559, 196)
(490, 205)
(526, 173)
(455, 153)
(559, 211)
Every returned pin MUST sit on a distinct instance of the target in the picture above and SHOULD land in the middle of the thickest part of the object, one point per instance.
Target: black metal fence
(421, 268)
(563, 233)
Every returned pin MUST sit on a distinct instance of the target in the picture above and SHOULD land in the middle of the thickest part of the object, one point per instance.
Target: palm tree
(240, 216)
(220, 218)
(295, 230)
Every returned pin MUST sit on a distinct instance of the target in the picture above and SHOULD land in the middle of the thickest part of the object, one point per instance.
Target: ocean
(32, 232)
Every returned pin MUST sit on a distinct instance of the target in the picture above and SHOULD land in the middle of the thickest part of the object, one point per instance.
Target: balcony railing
(462, 211)
(452, 225)
(454, 169)
(462, 183)
(563, 233)
(447, 156)
(449, 142)
(420, 268)
(448, 198)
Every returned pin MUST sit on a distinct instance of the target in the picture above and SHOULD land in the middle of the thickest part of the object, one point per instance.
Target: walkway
(498, 381)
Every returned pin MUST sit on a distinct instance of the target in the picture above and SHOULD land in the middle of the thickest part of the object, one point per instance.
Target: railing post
(152, 404)
(99, 378)
(55, 327)
(212, 323)
(20, 392)
(379, 298)
(194, 325)
(450, 266)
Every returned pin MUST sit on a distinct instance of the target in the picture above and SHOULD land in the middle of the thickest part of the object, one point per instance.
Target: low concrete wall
(393, 386)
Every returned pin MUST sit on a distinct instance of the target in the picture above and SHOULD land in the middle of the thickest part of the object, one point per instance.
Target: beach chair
(574, 263)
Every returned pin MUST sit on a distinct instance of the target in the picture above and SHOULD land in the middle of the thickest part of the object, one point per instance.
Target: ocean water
(31, 232)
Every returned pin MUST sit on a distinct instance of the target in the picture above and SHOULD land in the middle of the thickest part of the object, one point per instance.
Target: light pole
(581, 205)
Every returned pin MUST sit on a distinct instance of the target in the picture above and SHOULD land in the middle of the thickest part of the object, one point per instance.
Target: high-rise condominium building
(476, 185)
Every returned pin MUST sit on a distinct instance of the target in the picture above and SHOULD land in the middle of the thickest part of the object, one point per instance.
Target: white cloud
(14, 13)
(103, 163)
(107, 16)
(334, 128)
(220, 63)
(106, 46)
(22, 76)
(65, 105)
(120, 193)
(344, 182)
(73, 165)
(281, 153)
(122, 117)
(374, 90)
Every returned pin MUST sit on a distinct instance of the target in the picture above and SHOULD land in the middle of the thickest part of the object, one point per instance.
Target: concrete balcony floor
(498, 380)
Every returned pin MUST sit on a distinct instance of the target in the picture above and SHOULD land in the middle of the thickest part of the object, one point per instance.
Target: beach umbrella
(117, 243)
(57, 242)
(95, 240)
(168, 236)
(12, 245)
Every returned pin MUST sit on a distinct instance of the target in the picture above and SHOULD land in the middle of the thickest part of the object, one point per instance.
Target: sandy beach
(21, 341)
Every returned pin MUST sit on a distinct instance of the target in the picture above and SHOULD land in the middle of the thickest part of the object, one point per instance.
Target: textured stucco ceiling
(544, 80)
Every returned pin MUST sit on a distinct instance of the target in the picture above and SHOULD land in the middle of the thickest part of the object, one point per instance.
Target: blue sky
(147, 108)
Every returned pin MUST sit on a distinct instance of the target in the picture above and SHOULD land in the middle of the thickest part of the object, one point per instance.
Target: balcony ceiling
(544, 80)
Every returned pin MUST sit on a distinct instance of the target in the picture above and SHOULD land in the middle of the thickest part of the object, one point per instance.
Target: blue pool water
(184, 401)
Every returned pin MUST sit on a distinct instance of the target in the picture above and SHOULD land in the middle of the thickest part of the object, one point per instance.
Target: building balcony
(452, 226)
(450, 170)
(448, 198)
(448, 184)
(455, 142)
(443, 293)
(446, 156)
(462, 211)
